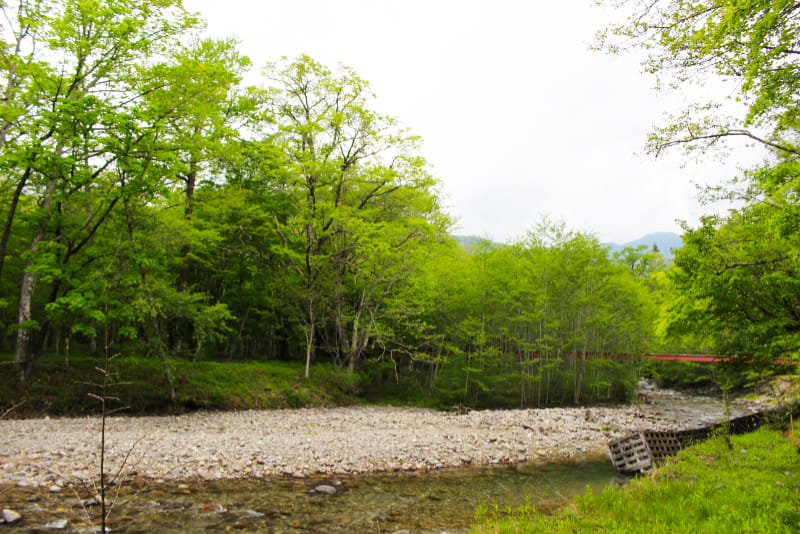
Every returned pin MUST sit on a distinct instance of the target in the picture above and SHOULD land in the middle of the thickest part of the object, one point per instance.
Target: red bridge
(706, 358)
(688, 358)
(702, 358)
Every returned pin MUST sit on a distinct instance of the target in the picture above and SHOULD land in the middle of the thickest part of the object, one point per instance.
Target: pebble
(58, 524)
(10, 516)
(316, 441)
(326, 489)
(252, 513)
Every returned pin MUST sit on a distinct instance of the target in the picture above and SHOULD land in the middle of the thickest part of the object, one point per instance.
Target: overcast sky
(519, 118)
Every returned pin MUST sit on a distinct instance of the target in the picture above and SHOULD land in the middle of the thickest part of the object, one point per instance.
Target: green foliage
(678, 375)
(752, 44)
(709, 488)
(736, 285)
(365, 204)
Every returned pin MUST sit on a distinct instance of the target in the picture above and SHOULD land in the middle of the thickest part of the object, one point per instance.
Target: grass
(753, 486)
(59, 390)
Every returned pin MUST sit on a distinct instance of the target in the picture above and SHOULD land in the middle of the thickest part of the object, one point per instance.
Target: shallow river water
(418, 502)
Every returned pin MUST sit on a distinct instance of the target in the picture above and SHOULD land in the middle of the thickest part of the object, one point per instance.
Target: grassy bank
(57, 389)
(498, 382)
(748, 484)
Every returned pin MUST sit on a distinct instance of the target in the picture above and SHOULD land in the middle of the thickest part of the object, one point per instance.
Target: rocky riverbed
(55, 452)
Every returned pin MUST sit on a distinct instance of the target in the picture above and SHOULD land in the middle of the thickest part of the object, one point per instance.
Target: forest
(155, 206)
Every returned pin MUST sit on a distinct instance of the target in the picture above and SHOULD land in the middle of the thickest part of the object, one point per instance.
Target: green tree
(197, 93)
(359, 191)
(75, 122)
(751, 44)
(737, 284)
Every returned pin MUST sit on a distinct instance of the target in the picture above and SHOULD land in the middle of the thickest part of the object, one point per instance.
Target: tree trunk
(23, 358)
(310, 337)
(164, 362)
(66, 349)
(12, 210)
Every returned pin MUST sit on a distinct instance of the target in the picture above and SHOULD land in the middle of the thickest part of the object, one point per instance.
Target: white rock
(326, 489)
(10, 516)
(253, 513)
(58, 524)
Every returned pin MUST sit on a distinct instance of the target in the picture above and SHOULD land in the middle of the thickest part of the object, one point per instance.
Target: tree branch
(751, 264)
(729, 133)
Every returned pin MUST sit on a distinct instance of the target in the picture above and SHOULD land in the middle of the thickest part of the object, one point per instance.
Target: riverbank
(57, 452)
(743, 483)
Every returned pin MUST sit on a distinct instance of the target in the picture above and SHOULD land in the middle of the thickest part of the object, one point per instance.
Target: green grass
(751, 487)
(140, 386)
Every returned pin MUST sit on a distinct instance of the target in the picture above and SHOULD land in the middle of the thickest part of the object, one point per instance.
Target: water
(417, 502)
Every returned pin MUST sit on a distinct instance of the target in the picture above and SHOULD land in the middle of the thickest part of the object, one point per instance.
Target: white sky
(519, 118)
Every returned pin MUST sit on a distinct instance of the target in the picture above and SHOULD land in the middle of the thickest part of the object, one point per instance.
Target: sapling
(108, 380)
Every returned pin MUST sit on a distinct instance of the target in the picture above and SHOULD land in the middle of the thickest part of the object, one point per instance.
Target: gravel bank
(215, 445)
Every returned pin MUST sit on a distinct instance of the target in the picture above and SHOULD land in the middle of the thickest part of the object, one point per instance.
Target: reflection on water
(417, 502)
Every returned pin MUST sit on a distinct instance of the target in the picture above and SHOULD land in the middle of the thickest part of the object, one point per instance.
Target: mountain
(466, 240)
(665, 241)
(469, 241)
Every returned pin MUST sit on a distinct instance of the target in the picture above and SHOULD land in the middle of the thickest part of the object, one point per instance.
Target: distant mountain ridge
(467, 241)
(665, 241)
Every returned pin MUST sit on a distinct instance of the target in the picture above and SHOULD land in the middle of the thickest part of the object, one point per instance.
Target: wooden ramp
(638, 452)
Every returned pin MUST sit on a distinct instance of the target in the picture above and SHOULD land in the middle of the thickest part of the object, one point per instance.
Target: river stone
(326, 489)
(58, 524)
(252, 513)
(10, 516)
(91, 501)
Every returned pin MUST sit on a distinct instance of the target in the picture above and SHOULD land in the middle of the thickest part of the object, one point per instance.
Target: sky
(520, 119)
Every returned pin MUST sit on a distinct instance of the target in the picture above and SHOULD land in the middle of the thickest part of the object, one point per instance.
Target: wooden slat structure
(638, 452)
(642, 450)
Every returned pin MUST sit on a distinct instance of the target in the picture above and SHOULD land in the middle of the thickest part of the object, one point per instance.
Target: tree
(738, 284)
(197, 93)
(360, 195)
(751, 44)
(72, 123)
